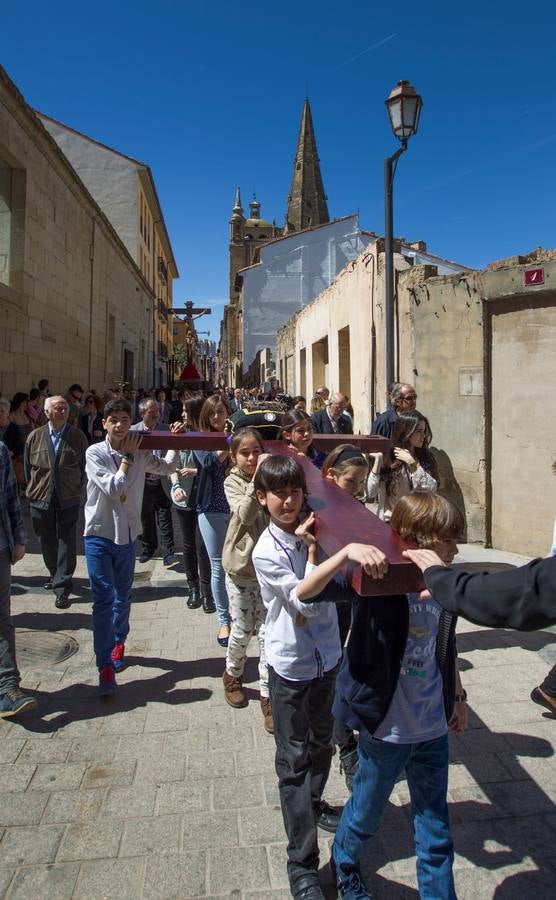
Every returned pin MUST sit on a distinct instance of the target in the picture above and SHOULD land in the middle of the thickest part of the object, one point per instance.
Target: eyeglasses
(408, 397)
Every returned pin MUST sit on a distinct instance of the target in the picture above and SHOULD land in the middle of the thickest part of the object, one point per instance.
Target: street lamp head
(404, 108)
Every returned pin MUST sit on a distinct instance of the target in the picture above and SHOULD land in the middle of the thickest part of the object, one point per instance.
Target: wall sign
(533, 276)
(471, 381)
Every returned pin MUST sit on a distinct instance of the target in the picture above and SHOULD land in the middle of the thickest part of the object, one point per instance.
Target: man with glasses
(332, 419)
(402, 398)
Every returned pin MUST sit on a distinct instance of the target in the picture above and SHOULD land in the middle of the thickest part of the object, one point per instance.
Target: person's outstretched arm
(522, 598)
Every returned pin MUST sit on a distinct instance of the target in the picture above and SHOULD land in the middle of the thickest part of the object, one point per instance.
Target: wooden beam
(341, 519)
(217, 440)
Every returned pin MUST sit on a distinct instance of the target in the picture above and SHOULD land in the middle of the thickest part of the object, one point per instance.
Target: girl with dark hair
(35, 408)
(297, 431)
(347, 467)
(408, 466)
(91, 420)
(19, 415)
(212, 506)
(184, 496)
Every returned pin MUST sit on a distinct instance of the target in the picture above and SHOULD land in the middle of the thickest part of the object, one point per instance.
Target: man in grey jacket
(54, 463)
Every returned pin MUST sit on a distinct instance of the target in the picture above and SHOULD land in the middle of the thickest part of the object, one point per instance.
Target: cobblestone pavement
(165, 791)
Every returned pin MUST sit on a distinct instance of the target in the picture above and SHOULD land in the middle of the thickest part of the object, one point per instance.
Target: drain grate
(43, 648)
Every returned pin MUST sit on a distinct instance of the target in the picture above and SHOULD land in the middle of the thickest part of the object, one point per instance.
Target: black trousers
(156, 507)
(57, 531)
(549, 683)
(301, 712)
(343, 735)
(196, 560)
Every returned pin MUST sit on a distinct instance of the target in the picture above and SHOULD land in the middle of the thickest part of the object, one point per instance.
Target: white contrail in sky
(368, 49)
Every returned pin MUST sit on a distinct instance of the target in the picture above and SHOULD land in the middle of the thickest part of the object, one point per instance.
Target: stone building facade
(74, 305)
(124, 189)
(479, 348)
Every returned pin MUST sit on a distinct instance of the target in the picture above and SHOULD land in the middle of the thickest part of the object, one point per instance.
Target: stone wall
(479, 349)
(73, 273)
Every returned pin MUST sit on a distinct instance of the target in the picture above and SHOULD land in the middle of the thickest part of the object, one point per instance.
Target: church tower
(307, 206)
(246, 236)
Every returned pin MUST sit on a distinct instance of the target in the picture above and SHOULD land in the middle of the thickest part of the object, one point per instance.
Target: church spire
(237, 211)
(307, 201)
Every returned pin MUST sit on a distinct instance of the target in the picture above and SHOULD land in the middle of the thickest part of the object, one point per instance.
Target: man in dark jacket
(12, 548)
(54, 464)
(332, 419)
(522, 598)
(401, 398)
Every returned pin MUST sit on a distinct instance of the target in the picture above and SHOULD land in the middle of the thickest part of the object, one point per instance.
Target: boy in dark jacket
(399, 686)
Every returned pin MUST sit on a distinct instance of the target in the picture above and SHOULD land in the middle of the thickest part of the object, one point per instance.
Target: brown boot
(267, 713)
(233, 691)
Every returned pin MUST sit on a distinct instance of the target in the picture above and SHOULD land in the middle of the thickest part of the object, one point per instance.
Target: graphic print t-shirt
(416, 713)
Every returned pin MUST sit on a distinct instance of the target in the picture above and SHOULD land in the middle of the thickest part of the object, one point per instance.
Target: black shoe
(306, 887)
(63, 600)
(48, 584)
(537, 696)
(194, 600)
(144, 558)
(209, 605)
(328, 818)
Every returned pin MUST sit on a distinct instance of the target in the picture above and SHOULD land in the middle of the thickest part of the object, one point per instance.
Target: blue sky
(210, 96)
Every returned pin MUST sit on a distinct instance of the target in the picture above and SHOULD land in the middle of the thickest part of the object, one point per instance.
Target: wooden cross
(341, 519)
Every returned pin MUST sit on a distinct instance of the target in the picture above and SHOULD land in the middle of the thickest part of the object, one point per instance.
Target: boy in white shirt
(303, 651)
(116, 477)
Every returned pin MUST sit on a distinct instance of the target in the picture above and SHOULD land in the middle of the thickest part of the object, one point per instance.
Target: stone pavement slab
(164, 791)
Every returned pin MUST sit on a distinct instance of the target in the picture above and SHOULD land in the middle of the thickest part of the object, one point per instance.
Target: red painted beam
(207, 440)
(341, 519)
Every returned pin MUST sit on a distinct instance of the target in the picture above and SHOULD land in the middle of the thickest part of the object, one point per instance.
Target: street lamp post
(404, 108)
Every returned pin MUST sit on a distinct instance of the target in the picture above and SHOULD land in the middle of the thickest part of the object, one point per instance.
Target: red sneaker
(106, 681)
(118, 657)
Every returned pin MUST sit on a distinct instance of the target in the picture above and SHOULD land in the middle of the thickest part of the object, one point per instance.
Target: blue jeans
(111, 567)
(213, 527)
(426, 766)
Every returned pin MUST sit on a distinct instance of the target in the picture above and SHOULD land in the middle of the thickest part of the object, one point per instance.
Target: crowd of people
(378, 681)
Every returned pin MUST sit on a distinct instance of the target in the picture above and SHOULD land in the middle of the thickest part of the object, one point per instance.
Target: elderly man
(12, 548)
(157, 504)
(236, 403)
(402, 398)
(332, 419)
(323, 393)
(54, 464)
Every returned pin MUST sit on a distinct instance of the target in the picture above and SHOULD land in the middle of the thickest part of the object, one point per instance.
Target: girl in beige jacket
(248, 520)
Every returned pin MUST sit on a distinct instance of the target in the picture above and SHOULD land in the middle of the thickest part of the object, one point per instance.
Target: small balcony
(162, 270)
(162, 350)
(162, 310)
